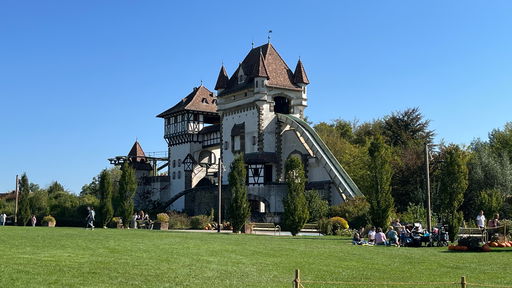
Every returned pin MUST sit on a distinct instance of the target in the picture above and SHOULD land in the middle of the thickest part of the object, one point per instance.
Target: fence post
(463, 282)
(296, 281)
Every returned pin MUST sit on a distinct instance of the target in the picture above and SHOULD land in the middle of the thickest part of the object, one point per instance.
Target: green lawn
(73, 257)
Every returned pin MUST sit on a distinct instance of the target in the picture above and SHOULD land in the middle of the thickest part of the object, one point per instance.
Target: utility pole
(16, 205)
(427, 170)
(220, 195)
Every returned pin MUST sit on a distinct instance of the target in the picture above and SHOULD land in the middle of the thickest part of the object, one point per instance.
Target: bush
(162, 218)
(178, 221)
(333, 226)
(199, 222)
(49, 219)
(355, 211)
(318, 208)
(115, 221)
(325, 226)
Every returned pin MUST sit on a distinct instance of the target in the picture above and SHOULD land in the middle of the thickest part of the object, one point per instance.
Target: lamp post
(16, 205)
(427, 171)
(219, 173)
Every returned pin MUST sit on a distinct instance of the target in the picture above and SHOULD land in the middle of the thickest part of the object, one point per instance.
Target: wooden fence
(298, 283)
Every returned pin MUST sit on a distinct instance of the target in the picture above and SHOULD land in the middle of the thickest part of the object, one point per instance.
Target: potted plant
(162, 221)
(49, 221)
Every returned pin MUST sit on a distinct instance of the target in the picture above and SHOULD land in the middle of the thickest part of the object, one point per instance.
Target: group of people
(492, 223)
(140, 220)
(395, 235)
(376, 236)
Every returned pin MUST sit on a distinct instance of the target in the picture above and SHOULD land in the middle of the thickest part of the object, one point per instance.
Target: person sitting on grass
(371, 236)
(380, 237)
(356, 238)
(392, 236)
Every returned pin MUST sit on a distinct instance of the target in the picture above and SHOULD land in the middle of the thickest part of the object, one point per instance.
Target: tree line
(386, 159)
(110, 193)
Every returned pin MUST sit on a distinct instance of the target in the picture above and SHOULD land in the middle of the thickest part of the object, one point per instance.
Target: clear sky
(81, 80)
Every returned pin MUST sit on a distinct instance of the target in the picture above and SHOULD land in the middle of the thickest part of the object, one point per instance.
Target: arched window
(173, 175)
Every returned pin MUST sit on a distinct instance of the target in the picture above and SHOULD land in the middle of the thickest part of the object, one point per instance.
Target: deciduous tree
(378, 188)
(453, 184)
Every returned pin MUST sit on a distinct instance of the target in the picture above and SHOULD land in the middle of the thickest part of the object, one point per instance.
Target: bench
(310, 228)
(265, 227)
(472, 232)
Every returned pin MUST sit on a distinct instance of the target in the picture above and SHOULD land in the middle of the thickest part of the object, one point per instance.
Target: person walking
(3, 219)
(90, 218)
(34, 220)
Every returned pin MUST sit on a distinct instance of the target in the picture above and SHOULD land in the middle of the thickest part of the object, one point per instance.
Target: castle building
(258, 111)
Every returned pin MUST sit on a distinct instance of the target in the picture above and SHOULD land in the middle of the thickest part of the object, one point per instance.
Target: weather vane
(269, 35)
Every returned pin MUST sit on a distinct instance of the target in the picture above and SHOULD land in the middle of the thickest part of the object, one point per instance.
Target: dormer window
(241, 79)
(204, 100)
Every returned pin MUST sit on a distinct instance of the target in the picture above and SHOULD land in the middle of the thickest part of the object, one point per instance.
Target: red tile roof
(136, 151)
(278, 73)
(300, 74)
(200, 99)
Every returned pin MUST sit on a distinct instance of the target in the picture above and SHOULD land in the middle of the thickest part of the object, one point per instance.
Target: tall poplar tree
(105, 191)
(24, 213)
(127, 189)
(453, 184)
(239, 209)
(296, 212)
(378, 189)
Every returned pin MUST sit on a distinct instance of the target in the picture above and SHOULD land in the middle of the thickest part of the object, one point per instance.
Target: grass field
(73, 257)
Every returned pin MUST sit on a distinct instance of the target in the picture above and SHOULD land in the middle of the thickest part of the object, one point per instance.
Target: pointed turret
(260, 69)
(222, 80)
(299, 76)
(136, 153)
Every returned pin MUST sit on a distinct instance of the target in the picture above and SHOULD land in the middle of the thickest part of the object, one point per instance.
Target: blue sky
(81, 80)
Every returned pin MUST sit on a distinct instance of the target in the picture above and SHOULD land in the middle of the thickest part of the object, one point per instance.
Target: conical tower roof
(299, 76)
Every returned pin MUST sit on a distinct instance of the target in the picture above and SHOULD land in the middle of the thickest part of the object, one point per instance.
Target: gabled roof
(222, 80)
(200, 99)
(299, 76)
(265, 56)
(136, 151)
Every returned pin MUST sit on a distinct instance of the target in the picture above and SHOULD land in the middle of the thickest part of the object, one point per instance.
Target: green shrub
(49, 219)
(325, 226)
(355, 211)
(199, 222)
(178, 221)
(162, 218)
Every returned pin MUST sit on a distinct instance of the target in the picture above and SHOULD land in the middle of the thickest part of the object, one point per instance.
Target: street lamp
(427, 171)
(219, 173)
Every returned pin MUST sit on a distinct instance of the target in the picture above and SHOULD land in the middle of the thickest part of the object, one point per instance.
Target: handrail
(324, 150)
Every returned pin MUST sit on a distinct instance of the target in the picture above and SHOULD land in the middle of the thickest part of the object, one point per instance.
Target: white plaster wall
(178, 152)
(250, 118)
